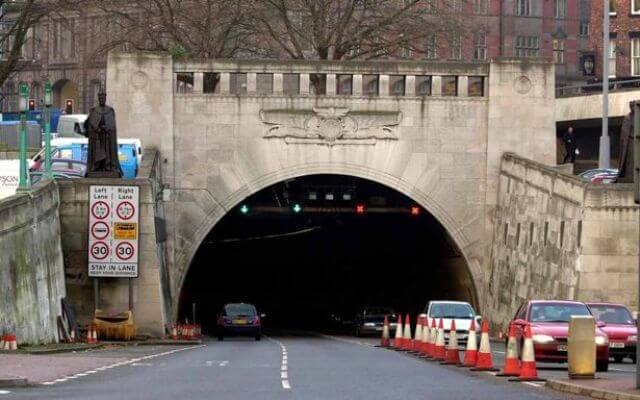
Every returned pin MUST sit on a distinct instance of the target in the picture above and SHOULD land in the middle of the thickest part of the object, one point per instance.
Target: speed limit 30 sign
(113, 231)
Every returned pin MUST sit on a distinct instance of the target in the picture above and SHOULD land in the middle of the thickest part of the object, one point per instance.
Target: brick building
(65, 52)
(624, 54)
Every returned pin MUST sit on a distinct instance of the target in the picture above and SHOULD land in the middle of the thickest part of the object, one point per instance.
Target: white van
(71, 126)
(60, 142)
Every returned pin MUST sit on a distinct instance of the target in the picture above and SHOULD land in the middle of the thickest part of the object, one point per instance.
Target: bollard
(582, 347)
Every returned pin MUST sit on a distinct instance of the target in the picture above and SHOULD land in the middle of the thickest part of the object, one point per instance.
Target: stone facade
(31, 275)
(586, 107)
(442, 151)
(560, 237)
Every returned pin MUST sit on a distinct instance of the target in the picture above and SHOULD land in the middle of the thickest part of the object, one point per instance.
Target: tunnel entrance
(312, 252)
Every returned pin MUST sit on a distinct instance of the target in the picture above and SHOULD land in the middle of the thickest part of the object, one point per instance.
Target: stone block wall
(31, 274)
(557, 236)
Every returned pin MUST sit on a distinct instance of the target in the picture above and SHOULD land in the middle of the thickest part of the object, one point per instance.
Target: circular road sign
(100, 210)
(99, 250)
(100, 230)
(125, 210)
(124, 251)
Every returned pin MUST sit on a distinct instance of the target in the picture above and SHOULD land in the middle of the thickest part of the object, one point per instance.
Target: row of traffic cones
(429, 343)
(9, 342)
(92, 335)
(186, 332)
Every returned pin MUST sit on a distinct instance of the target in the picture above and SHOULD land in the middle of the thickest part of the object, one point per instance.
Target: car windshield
(379, 311)
(234, 310)
(556, 312)
(451, 311)
(612, 314)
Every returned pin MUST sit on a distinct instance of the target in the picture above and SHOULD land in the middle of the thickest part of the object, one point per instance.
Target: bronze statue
(625, 165)
(102, 158)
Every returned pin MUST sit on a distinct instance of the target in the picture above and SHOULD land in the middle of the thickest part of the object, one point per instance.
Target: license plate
(379, 328)
(122, 157)
(239, 321)
(616, 345)
(562, 347)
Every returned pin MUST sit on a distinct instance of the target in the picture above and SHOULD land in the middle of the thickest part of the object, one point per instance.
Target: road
(283, 367)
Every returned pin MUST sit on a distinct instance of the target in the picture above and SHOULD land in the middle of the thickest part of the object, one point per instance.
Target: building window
(431, 47)
(238, 83)
(523, 7)
(613, 8)
(396, 85)
(210, 82)
(527, 46)
(184, 82)
(480, 6)
(423, 85)
(584, 28)
(291, 84)
(344, 85)
(449, 85)
(370, 85)
(612, 58)
(558, 51)
(480, 46)
(318, 84)
(476, 86)
(455, 48)
(635, 57)
(264, 83)
(635, 7)
(559, 8)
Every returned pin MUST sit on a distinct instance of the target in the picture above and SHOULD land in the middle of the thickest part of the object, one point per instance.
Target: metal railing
(596, 88)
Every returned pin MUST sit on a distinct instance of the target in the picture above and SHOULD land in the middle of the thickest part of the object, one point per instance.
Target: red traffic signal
(359, 208)
(415, 210)
(32, 105)
(68, 106)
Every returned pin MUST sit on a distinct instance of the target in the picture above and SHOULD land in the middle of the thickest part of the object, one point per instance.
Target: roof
(555, 301)
(599, 303)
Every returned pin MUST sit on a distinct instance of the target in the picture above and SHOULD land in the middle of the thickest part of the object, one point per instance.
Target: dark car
(621, 328)
(239, 319)
(371, 320)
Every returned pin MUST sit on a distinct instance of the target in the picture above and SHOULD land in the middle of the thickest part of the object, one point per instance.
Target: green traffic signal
(297, 208)
(244, 209)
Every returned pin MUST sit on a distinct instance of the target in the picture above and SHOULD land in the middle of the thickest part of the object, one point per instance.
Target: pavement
(305, 367)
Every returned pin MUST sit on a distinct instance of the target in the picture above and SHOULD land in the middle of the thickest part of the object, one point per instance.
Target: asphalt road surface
(283, 367)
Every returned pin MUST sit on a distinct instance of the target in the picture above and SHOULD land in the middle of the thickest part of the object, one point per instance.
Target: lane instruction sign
(114, 216)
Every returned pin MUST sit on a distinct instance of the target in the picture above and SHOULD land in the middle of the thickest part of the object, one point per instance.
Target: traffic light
(68, 106)
(415, 211)
(244, 209)
(297, 208)
(32, 105)
(360, 209)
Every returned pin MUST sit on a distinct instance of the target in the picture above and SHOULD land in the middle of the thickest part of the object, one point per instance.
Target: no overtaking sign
(113, 231)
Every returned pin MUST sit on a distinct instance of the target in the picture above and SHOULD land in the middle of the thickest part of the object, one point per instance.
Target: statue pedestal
(103, 174)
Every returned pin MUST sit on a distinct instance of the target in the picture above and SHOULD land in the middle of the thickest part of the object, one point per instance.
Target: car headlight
(542, 339)
(369, 324)
(602, 340)
(632, 338)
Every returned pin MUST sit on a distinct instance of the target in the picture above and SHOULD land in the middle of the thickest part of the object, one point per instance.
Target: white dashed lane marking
(284, 374)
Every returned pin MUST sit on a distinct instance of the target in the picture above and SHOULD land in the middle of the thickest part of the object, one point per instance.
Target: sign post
(23, 184)
(113, 231)
(636, 184)
(48, 174)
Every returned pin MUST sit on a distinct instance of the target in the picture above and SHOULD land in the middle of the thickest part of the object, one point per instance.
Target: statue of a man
(102, 158)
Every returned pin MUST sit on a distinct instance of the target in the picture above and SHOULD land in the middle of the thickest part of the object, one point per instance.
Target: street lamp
(48, 174)
(604, 157)
(23, 184)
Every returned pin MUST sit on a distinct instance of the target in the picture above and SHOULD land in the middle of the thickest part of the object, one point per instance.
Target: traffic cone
(398, 341)
(72, 336)
(452, 356)
(417, 338)
(439, 352)
(174, 333)
(433, 335)
(384, 341)
(485, 360)
(406, 341)
(426, 334)
(528, 371)
(471, 353)
(11, 344)
(511, 362)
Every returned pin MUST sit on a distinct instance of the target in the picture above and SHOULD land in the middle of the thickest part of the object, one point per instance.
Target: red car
(621, 328)
(549, 321)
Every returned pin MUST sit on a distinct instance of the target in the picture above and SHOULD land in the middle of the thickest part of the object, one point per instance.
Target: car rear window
(556, 312)
(451, 311)
(612, 314)
(232, 310)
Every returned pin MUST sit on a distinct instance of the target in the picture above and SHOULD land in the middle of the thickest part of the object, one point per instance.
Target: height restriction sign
(113, 231)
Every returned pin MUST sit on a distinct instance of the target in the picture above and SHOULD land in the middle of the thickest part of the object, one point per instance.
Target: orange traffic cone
(511, 362)
(72, 336)
(384, 341)
(452, 356)
(439, 351)
(10, 342)
(471, 353)
(433, 335)
(406, 341)
(398, 341)
(417, 338)
(426, 335)
(485, 360)
(174, 332)
(528, 371)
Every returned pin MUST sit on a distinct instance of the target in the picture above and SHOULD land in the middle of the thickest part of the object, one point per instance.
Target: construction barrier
(118, 326)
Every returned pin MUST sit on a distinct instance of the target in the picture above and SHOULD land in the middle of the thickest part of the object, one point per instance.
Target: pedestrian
(569, 139)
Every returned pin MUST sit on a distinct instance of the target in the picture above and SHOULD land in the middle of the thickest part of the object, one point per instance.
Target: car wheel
(602, 366)
(258, 338)
(220, 338)
(633, 359)
(617, 359)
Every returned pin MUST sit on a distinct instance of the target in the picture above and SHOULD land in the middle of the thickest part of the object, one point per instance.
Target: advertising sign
(9, 177)
(113, 231)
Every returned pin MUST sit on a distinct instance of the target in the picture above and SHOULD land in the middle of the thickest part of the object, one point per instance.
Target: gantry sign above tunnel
(113, 231)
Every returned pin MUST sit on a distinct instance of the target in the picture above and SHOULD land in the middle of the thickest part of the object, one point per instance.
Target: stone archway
(456, 232)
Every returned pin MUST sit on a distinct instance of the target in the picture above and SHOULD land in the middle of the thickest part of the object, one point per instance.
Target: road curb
(14, 381)
(589, 391)
(57, 350)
